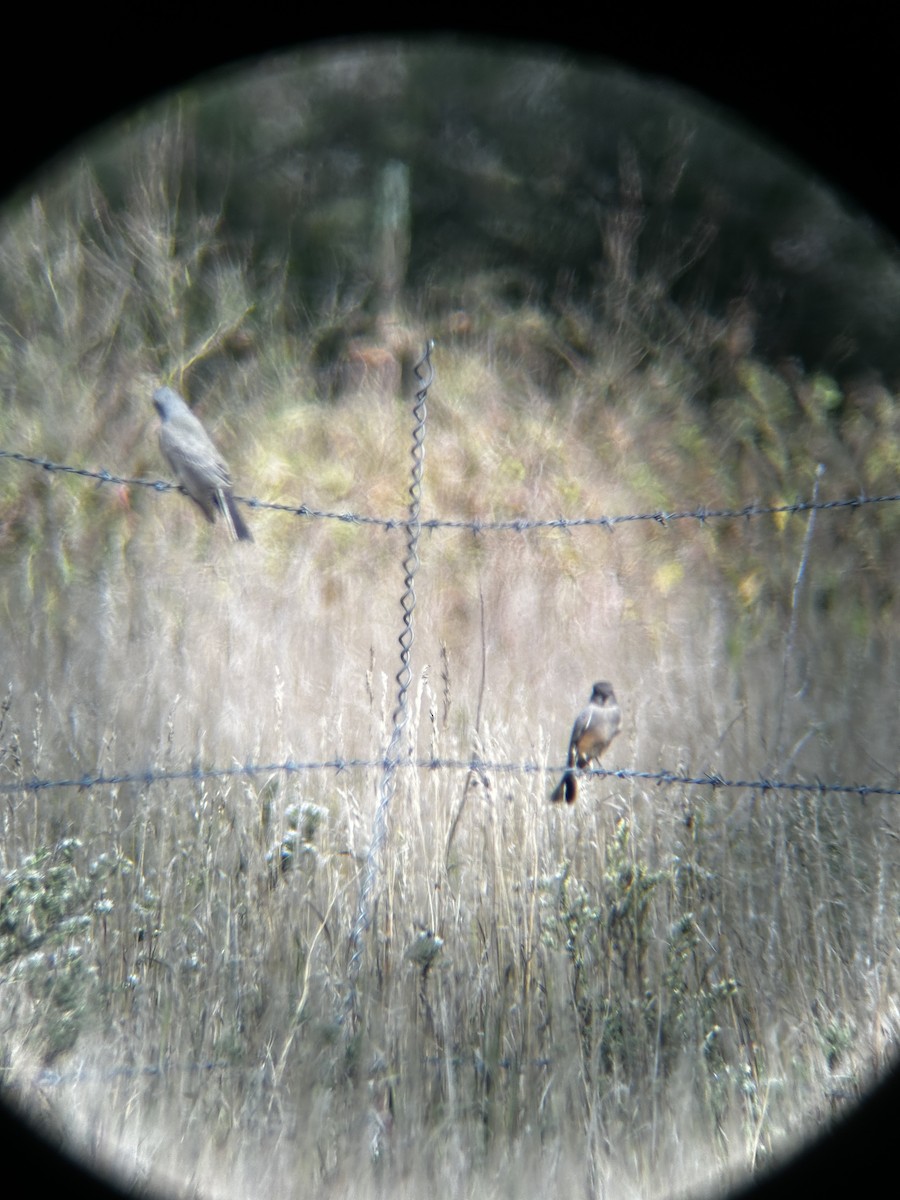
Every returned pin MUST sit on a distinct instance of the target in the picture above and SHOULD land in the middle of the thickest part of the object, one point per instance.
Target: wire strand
(662, 517)
(663, 778)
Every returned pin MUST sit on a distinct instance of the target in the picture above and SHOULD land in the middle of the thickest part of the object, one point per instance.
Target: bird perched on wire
(197, 464)
(594, 728)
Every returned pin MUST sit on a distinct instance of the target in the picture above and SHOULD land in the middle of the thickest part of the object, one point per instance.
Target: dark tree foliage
(529, 172)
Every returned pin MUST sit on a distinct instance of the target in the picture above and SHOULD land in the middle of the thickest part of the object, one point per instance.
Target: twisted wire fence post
(424, 372)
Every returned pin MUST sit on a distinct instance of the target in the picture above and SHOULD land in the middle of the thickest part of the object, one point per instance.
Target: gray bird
(197, 464)
(594, 728)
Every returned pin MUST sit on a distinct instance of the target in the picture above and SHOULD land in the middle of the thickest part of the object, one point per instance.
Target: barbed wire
(390, 761)
(662, 778)
(476, 525)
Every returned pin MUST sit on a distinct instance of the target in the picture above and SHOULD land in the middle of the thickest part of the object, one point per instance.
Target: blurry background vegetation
(636, 308)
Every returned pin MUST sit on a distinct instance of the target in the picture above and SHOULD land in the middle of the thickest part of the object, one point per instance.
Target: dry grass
(656, 976)
(641, 995)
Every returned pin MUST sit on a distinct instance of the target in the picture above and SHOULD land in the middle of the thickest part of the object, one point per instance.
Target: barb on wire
(394, 763)
(700, 513)
(425, 375)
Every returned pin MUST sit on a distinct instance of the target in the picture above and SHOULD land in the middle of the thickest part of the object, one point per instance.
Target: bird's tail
(566, 789)
(233, 518)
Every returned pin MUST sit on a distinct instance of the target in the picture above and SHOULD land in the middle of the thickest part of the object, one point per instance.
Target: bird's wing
(193, 457)
(582, 721)
(585, 719)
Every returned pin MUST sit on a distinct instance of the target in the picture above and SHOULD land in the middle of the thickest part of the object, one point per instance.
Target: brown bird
(594, 728)
(197, 464)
